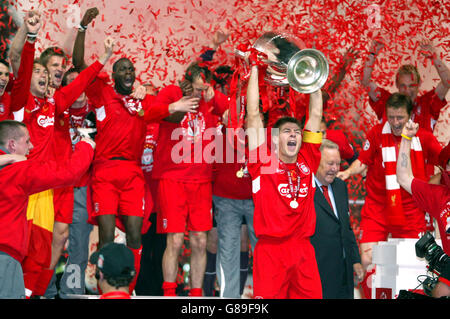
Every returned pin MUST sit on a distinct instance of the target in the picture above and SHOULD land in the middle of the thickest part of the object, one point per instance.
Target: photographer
(115, 270)
(435, 199)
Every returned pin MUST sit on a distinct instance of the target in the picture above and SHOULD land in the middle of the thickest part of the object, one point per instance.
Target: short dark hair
(194, 71)
(68, 72)
(222, 75)
(49, 52)
(398, 100)
(10, 129)
(283, 120)
(115, 65)
(120, 281)
(38, 61)
(5, 63)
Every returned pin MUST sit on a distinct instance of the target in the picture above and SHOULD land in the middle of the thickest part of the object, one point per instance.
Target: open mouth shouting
(292, 145)
(58, 76)
(42, 83)
(128, 81)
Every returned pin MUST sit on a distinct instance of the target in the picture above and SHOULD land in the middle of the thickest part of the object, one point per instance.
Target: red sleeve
(67, 95)
(168, 95)
(165, 97)
(154, 112)
(10, 83)
(430, 146)
(40, 175)
(220, 102)
(434, 103)
(379, 106)
(94, 91)
(21, 87)
(338, 137)
(428, 197)
(367, 155)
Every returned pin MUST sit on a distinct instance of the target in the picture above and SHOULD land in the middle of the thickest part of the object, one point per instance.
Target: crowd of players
(152, 161)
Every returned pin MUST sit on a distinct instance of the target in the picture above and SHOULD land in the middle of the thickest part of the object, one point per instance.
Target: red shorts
(118, 188)
(285, 269)
(373, 226)
(63, 203)
(182, 204)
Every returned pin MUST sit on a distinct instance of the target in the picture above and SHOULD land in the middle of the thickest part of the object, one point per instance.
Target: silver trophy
(305, 70)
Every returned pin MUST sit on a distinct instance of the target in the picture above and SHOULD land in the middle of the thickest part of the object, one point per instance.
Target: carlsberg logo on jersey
(284, 190)
(45, 121)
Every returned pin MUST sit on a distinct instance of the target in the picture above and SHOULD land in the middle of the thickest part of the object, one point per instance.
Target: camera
(426, 247)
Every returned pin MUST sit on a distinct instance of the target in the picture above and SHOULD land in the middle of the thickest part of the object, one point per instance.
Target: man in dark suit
(337, 252)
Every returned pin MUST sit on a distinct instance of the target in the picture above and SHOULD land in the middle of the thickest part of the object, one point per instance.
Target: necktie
(327, 196)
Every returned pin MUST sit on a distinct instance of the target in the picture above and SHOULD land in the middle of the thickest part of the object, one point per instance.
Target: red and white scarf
(396, 216)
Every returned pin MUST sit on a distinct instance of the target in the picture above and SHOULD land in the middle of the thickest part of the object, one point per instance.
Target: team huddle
(176, 153)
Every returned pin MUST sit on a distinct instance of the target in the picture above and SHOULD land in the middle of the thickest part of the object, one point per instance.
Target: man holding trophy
(282, 177)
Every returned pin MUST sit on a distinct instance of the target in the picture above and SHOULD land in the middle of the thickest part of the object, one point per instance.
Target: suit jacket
(334, 236)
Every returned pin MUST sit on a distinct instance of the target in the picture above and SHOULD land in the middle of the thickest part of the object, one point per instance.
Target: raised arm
(78, 47)
(67, 95)
(255, 125)
(24, 33)
(348, 59)
(366, 80)
(315, 112)
(428, 50)
(404, 171)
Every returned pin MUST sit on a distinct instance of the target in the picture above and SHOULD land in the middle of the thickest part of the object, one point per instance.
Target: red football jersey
(345, 148)
(20, 180)
(371, 155)
(181, 146)
(121, 124)
(273, 215)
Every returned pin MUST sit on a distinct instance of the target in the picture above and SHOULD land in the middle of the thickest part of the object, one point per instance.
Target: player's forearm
(16, 48)
(443, 71)
(78, 51)
(255, 126)
(404, 170)
(23, 77)
(356, 168)
(253, 95)
(315, 112)
(368, 69)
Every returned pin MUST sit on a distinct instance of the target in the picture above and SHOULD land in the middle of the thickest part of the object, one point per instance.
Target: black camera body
(437, 259)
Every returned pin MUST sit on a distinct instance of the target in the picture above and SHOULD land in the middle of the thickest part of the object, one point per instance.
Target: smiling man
(283, 194)
(389, 209)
